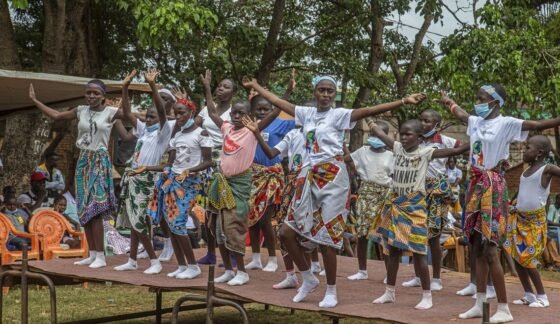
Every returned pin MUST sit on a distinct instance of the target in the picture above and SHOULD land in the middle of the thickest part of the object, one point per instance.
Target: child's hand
(248, 83)
(445, 100)
(179, 93)
(32, 92)
(206, 79)
(415, 98)
(251, 124)
(253, 93)
(129, 77)
(292, 83)
(151, 75)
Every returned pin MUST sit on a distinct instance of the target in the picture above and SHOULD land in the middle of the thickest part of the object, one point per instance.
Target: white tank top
(532, 195)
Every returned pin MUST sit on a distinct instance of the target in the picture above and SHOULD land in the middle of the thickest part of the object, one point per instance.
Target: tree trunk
(9, 58)
(54, 40)
(270, 51)
(375, 59)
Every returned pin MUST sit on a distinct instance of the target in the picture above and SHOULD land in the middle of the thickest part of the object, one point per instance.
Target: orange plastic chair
(6, 227)
(50, 226)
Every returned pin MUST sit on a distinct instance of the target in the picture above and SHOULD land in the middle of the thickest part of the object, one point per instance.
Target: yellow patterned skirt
(526, 236)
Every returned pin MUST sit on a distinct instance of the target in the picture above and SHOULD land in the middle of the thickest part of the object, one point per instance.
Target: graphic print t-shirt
(238, 150)
(409, 174)
(292, 146)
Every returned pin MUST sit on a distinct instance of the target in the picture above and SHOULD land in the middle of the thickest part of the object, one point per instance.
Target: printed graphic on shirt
(265, 136)
(297, 160)
(311, 143)
(405, 176)
(477, 154)
(230, 147)
(137, 149)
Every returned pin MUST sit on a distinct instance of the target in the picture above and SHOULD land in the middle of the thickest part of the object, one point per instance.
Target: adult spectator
(37, 196)
(19, 219)
(54, 179)
(553, 215)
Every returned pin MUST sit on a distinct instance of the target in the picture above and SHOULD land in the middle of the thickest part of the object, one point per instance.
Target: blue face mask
(153, 128)
(483, 109)
(375, 142)
(188, 124)
(430, 133)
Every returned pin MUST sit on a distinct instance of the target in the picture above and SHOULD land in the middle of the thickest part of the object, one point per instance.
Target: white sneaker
(99, 262)
(176, 272)
(192, 272)
(154, 268)
(240, 278)
(291, 281)
(227, 276)
(167, 252)
(322, 273)
(253, 265)
(271, 265)
(415, 282)
(360, 275)
(130, 265)
(143, 255)
(540, 303)
(436, 285)
(469, 290)
(315, 267)
(304, 290)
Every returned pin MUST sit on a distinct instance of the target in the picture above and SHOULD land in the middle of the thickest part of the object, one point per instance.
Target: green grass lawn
(76, 302)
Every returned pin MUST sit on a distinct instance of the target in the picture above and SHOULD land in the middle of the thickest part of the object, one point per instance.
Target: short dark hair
(258, 98)
(234, 85)
(244, 103)
(59, 198)
(413, 124)
(434, 113)
(542, 143)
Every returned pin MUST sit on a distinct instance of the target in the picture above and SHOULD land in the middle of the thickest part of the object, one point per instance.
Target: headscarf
(187, 103)
(167, 91)
(98, 84)
(492, 92)
(320, 78)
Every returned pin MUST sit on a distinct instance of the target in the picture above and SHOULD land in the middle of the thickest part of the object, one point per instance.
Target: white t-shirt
(438, 167)
(324, 131)
(374, 167)
(94, 127)
(150, 146)
(292, 146)
(410, 169)
(532, 195)
(453, 175)
(490, 139)
(212, 129)
(188, 147)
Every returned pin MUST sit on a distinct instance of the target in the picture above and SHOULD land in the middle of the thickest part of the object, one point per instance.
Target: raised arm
(388, 140)
(125, 102)
(51, 113)
(284, 105)
(536, 125)
(291, 86)
(457, 111)
(269, 118)
(443, 153)
(253, 126)
(212, 113)
(150, 77)
(362, 113)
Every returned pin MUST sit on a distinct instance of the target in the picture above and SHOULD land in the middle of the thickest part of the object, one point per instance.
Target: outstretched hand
(415, 99)
(206, 79)
(128, 80)
(292, 84)
(151, 75)
(251, 124)
(248, 83)
(445, 100)
(179, 93)
(32, 92)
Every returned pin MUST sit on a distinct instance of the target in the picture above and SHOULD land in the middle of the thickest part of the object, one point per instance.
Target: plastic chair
(50, 227)
(6, 227)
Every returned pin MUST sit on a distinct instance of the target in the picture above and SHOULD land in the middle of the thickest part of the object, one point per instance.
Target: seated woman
(60, 204)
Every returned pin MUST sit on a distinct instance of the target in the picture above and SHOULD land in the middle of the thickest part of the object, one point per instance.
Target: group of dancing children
(232, 152)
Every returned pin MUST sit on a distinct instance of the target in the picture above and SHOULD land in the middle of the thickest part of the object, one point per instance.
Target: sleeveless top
(532, 195)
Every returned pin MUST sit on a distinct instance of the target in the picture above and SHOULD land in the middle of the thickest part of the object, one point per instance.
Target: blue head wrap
(320, 78)
(493, 93)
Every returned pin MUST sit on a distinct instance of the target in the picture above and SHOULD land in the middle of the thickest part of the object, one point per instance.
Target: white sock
(541, 301)
(155, 267)
(387, 297)
(128, 266)
(469, 290)
(436, 285)
(543, 297)
(426, 302)
(414, 282)
(240, 278)
(227, 276)
(255, 262)
(167, 252)
(99, 260)
(272, 264)
(315, 266)
(360, 275)
(89, 260)
(310, 283)
(330, 300)
(490, 292)
(476, 310)
(180, 269)
(502, 315)
(528, 298)
(191, 272)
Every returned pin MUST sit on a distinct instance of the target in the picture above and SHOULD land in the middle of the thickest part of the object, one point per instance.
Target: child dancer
(374, 164)
(318, 212)
(438, 194)
(487, 199)
(190, 152)
(268, 185)
(139, 178)
(526, 229)
(231, 187)
(94, 181)
(403, 224)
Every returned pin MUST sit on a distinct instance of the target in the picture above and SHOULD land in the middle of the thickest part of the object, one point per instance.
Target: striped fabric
(403, 223)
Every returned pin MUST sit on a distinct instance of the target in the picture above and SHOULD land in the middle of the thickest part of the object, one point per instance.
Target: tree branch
(417, 48)
(453, 13)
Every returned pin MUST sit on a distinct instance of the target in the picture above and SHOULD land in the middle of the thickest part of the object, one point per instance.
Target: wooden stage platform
(354, 296)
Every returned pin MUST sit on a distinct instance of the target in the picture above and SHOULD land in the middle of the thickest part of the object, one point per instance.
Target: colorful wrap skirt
(487, 204)
(230, 195)
(526, 236)
(173, 200)
(438, 198)
(320, 206)
(403, 223)
(266, 190)
(136, 192)
(95, 193)
(369, 205)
